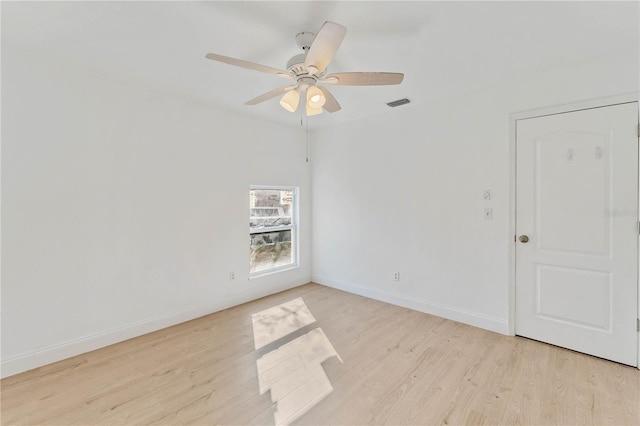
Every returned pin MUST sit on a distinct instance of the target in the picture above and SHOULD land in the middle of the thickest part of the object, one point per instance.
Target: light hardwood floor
(393, 366)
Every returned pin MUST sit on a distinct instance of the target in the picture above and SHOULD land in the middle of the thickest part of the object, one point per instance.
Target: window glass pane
(270, 250)
(271, 246)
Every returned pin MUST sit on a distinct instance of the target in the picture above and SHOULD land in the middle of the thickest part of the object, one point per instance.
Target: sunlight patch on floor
(293, 372)
(274, 323)
(294, 375)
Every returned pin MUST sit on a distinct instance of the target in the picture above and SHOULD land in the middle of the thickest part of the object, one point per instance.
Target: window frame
(293, 227)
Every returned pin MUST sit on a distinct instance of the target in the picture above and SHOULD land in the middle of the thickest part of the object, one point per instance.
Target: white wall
(403, 192)
(124, 210)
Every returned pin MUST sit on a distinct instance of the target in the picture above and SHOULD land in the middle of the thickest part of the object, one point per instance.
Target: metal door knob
(523, 238)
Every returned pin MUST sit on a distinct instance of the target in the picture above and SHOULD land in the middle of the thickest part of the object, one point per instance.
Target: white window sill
(283, 268)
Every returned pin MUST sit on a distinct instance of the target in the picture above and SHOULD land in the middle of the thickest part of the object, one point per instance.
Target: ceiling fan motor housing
(296, 66)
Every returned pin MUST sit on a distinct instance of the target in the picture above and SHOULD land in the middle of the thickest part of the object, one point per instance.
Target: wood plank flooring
(395, 366)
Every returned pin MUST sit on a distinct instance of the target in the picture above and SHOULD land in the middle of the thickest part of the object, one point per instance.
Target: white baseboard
(455, 314)
(68, 349)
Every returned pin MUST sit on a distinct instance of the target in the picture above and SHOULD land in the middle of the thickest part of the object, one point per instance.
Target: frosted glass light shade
(290, 100)
(315, 97)
(313, 111)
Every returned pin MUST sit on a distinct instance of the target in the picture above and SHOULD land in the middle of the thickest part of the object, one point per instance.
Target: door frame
(541, 112)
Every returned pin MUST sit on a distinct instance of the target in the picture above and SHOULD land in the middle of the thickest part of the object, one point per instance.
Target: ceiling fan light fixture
(313, 111)
(290, 100)
(315, 98)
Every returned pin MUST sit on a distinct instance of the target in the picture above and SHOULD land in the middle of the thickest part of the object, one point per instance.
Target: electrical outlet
(396, 276)
(232, 276)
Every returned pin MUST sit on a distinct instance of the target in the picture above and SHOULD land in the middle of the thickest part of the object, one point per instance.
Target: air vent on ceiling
(399, 102)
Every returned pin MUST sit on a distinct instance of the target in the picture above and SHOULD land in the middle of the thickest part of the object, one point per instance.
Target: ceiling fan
(309, 68)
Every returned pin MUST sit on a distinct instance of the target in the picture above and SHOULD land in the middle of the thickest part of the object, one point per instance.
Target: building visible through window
(272, 228)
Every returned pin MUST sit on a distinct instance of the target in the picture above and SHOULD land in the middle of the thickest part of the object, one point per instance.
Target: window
(272, 228)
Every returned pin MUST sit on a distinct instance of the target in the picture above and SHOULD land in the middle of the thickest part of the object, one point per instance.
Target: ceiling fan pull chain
(306, 135)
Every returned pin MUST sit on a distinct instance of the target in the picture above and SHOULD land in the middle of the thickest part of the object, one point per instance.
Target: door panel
(577, 197)
(557, 288)
(573, 181)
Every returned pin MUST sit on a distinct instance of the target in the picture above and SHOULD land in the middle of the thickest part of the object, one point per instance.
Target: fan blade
(269, 95)
(330, 104)
(364, 78)
(249, 65)
(324, 46)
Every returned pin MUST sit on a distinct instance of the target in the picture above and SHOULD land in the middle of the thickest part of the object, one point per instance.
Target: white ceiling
(444, 48)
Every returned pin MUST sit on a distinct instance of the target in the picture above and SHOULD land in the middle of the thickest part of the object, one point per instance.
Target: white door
(577, 203)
